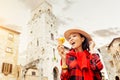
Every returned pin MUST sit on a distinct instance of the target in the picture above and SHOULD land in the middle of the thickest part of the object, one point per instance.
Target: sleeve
(64, 75)
(95, 62)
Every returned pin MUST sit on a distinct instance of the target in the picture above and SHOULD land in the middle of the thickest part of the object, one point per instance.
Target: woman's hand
(61, 52)
(91, 46)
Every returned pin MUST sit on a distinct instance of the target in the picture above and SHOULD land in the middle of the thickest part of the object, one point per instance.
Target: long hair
(85, 44)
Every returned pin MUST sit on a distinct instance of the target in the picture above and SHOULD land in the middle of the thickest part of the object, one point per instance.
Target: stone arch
(55, 73)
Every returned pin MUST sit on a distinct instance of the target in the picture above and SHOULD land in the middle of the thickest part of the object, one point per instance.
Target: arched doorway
(117, 78)
(55, 73)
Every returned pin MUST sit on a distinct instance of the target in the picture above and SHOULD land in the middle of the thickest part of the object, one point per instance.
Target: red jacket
(78, 66)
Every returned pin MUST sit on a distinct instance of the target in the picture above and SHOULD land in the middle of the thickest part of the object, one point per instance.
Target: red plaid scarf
(79, 66)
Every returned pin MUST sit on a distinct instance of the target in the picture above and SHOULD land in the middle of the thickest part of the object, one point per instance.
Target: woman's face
(75, 40)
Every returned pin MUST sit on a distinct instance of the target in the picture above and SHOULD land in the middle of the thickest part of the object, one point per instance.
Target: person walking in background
(77, 63)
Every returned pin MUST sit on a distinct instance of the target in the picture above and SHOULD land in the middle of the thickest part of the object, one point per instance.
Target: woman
(75, 64)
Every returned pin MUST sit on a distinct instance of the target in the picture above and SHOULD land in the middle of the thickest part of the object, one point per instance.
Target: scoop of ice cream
(61, 40)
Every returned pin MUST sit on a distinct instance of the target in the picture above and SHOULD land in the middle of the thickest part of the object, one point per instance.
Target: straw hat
(76, 30)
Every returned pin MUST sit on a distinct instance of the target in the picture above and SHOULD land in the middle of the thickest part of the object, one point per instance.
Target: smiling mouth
(73, 43)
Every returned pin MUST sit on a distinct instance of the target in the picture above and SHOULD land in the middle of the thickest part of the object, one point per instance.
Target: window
(10, 36)
(111, 63)
(54, 54)
(9, 50)
(31, 32)
(42, 50)
(6, 68)
(37, 42)
(117, 56)
(33, 73)
(41, 71)
(51, 25)
(49, 11)
(39, 10)
(18, 74)
(53, 51)
(52, 36)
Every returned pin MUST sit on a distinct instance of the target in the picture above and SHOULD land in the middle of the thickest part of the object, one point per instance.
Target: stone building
(42, 57)
(9, 42)
(111, 57)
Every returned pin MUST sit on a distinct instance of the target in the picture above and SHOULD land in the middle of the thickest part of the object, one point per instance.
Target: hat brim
(70, 31)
